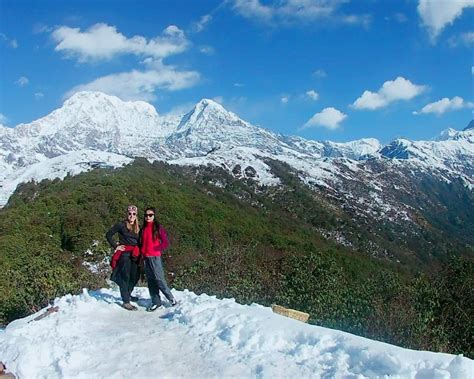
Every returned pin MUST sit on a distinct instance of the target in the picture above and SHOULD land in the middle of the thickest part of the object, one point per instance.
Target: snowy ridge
(68, 164)
(92, 336)
(209, 134)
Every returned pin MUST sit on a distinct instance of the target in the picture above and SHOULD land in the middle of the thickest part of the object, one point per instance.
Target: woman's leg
(161, 279)
(121, 276)
(152, 282)
(134, 275)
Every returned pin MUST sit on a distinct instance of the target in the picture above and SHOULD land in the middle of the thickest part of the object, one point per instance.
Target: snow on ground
(91, 336)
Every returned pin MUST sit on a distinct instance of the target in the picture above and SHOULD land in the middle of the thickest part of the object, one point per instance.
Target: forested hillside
(235, 238)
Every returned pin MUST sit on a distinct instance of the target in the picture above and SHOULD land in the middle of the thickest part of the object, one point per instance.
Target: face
(149, 216)
(132, 216)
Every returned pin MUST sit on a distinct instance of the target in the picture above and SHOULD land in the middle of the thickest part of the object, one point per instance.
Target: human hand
(120, 247)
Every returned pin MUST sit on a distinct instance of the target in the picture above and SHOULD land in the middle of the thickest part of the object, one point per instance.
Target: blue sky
(320, 69)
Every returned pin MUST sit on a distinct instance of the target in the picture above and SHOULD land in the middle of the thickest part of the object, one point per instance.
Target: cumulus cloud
(437, 14)
(445, 105)
(141, 85)
(329, 118)
(312, 94)
(392, 90)
(296, 11)
(22, 81)
(202, 23)
(285, 99)
(103, 42)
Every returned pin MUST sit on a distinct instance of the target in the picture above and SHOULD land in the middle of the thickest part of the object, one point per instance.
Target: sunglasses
(132, 214)
(149, 214)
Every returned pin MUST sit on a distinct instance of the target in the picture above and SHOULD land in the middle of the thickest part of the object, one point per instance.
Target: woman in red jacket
(153, 241)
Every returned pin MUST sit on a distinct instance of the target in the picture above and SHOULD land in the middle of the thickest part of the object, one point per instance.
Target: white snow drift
(91, 336)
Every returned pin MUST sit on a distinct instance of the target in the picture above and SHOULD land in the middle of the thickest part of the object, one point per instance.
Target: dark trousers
(126, 275)
(155, 276)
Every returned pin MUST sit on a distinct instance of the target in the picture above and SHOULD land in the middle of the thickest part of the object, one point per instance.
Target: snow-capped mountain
(209, 134)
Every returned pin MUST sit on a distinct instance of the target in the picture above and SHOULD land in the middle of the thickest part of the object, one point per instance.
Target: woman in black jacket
(124, 262)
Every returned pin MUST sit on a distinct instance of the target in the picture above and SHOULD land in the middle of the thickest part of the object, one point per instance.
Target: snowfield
(91, 336)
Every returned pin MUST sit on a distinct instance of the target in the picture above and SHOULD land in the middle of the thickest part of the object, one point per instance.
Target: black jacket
(125, 236)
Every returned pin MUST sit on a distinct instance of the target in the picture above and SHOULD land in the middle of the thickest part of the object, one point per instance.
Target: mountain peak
(93, 99)
(469, 126)
(209, 102)
(85, 95)
(208, 113)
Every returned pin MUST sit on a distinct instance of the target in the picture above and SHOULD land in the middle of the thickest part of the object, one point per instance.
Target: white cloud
(141, 85)
(436, 14)
(329, 118)
(464, 39)
(312, 94)
(353, 19)
(39, 95)
(472, 70)
(103, 42)
(208, 50)
(445, 105)
(22, 81)
(296, 11)
(285, 99)
(202, 23)
(13, 43)
(392, 90)
(239, 85)
(3, 119)
(320, 73)
(39, 28)
(468, 38)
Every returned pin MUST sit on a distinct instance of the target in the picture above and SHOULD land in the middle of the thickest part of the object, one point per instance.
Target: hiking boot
(129, 307)
(153, 307)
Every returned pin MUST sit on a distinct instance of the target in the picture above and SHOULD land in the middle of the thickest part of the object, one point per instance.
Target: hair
(135, 227)
(156, 224)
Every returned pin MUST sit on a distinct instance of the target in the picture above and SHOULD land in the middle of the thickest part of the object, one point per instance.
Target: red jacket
(128, 248)
(151, 247)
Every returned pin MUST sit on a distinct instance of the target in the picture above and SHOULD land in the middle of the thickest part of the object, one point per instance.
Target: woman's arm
(110, 235)
(164, 240)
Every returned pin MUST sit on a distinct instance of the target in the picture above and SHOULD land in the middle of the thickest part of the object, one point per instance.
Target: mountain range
(364, 178)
